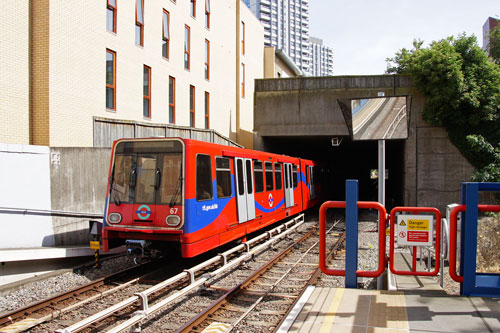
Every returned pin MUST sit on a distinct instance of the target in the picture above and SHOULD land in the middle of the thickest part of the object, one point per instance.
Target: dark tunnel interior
(349, 160)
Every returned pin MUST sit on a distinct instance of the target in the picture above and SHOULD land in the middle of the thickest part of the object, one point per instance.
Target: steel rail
(239, 288)
(148, 310)
(191, 324)
(10, 317)
(314, 277)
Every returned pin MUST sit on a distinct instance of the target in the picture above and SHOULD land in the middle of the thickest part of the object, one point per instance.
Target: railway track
(102, 308)
(178, 300)
(54, 307)
(263, 300)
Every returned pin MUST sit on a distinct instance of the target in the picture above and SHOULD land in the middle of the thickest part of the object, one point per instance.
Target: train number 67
(173, 210)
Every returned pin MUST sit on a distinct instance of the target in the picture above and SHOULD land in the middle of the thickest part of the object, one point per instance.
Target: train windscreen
(147, 172)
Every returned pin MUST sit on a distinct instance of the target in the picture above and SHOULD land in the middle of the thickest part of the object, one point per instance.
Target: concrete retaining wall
(78, 184)
(308, 107)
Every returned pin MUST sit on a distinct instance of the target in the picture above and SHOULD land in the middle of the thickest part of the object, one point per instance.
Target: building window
(187, 46)
(139, 22)
(223, 174)
(111, 16)
(110, 80)
(207, 110)
(242, 37)
(258, 176)
(166, 35)
(191, 106)
(171, 100)
(242, 80)
(204, 189)
(207, 60)
(147, 92)
(192, 7)
(207, 14)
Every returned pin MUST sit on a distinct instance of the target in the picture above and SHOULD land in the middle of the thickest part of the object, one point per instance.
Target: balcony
(265, 17)
(265, 9)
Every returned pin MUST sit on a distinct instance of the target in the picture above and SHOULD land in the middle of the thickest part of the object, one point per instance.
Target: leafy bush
(462, 86)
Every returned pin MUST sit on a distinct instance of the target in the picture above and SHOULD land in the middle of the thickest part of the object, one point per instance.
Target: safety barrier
(322, 238)
(415, 211)
(453, 236)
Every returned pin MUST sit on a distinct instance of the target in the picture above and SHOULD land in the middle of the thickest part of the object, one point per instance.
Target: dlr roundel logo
(144, 212)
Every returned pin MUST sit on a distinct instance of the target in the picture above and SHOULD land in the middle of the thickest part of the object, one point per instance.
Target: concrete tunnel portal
(300, 117)
(349, 160)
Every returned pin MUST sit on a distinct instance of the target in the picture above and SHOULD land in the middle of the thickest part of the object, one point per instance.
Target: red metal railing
(381, 238)
(453, 236)
(415, 211)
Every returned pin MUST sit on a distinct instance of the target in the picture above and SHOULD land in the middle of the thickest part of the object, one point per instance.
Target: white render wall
(78, 43)
(14, 77)
(25, 179)
(254, 64)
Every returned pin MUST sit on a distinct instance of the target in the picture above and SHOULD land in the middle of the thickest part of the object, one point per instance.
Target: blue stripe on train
(200, 214)
(267, 210)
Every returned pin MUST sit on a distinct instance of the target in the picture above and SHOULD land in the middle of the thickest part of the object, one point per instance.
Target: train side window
(307, 174)
(311, 173)
(223, 174)
(295, 176)
(259, 176)
(277, 176)
(204, 189)
(269, 176)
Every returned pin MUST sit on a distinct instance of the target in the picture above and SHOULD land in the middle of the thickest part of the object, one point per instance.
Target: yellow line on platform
(332, 311)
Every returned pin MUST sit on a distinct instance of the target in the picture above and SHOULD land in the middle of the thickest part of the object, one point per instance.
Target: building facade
(286, 28)
(489, 25)
(14, 80)
(187, 63)
(321, 58)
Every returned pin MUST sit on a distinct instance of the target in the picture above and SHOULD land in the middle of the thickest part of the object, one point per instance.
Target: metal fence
(107, 130)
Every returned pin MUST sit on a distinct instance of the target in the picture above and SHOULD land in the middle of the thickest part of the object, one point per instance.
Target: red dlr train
(200, 195)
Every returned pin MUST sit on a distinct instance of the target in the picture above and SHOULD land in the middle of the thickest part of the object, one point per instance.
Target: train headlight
(173, 220)
(115, 218)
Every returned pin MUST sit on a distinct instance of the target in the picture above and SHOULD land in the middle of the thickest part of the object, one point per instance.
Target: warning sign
(415, 230)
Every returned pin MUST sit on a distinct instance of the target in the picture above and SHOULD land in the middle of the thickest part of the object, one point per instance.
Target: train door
(288, 185)
(244, 189)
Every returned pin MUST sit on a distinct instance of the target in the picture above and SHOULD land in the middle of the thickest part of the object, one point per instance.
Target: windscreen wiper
(177, 192)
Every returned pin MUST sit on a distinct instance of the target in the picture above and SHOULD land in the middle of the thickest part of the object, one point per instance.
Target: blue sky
(363, 33)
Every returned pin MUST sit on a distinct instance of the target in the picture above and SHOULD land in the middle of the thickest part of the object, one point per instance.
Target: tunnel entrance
(349, 160)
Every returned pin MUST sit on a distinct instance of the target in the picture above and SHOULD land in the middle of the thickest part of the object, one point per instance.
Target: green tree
(462, 86)
(494, 44)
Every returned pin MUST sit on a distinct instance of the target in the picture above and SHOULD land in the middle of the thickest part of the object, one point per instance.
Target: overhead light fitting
(336, 141)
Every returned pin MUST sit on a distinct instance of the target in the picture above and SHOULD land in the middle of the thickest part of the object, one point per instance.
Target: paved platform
(358, 310)
(418, 305)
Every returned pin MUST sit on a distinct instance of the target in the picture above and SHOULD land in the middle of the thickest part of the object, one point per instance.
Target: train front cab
(145, 201)
(247, 190)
